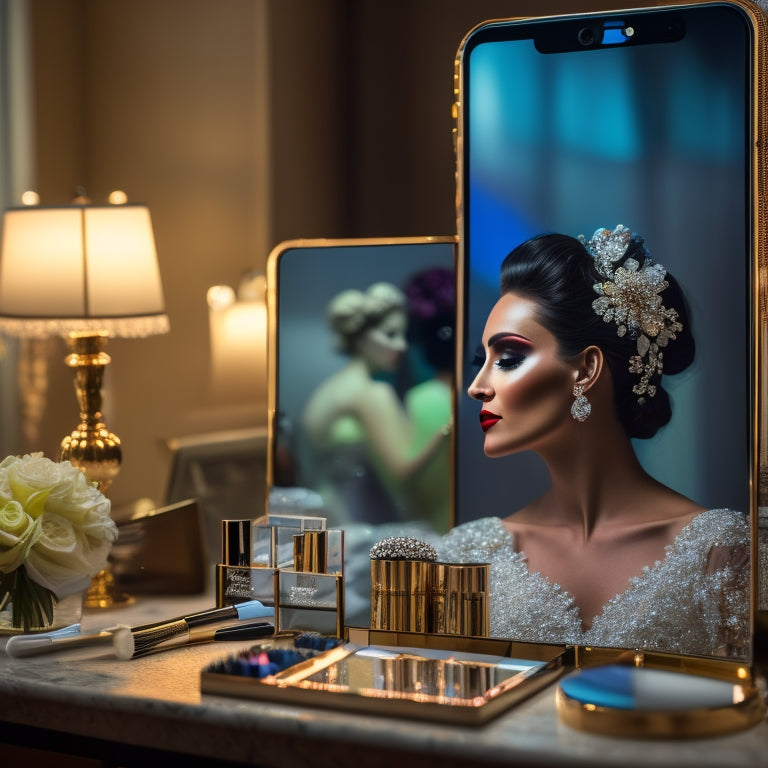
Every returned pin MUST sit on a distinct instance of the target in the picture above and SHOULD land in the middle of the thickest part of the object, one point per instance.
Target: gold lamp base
(103, 592)
(91, 446)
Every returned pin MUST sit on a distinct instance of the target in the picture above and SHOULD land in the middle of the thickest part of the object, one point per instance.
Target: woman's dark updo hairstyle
(558, 273)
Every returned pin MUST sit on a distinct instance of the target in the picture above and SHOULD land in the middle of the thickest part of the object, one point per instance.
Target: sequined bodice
(689, 602)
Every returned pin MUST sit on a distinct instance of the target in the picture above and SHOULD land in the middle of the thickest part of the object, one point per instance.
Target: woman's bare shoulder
(379, 393)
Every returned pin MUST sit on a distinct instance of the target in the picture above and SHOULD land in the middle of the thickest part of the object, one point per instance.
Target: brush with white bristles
(233, 622)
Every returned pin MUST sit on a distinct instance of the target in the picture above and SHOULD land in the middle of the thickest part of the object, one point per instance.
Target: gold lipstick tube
(458, 599)
(310, 552)
(399, 590)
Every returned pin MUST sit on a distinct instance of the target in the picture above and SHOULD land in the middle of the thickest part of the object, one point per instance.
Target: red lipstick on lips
(488, 419)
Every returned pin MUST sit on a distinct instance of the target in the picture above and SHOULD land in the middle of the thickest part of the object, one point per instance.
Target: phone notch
(590, 33)
(610, 32)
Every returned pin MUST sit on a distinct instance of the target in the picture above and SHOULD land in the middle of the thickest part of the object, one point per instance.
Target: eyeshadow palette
(423, 683)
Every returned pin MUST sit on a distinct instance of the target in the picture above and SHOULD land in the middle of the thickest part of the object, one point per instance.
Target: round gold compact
(637, 702)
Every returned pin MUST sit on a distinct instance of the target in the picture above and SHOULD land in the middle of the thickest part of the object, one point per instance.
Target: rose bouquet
(55, 536)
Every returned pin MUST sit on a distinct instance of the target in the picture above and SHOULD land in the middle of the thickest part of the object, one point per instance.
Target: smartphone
(645, 117)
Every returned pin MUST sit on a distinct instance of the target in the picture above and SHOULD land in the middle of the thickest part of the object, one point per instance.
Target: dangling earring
(581, 407)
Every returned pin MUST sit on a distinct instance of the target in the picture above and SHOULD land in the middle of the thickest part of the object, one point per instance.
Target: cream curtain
(16, 175)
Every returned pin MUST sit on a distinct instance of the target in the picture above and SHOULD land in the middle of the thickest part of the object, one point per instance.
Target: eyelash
(508, 361)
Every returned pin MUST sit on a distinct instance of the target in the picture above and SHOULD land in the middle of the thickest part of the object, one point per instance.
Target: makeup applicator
(232, 622)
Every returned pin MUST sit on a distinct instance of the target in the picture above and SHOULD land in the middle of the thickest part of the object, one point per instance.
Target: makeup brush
(214, 624)
(130, 643)
(201, 627)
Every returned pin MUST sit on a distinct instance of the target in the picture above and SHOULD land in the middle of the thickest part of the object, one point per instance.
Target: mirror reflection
(363, 391)
(428, 676)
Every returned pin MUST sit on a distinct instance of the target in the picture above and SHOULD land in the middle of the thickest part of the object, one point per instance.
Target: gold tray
(436, 684)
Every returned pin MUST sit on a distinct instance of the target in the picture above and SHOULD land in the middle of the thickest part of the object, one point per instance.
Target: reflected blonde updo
(352, 312)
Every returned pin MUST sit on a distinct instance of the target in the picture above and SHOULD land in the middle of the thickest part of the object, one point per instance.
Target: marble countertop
(154, 702)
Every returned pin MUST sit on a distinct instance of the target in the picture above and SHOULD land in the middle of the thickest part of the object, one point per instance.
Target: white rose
(5, 486)
(74, 497)
(54, 522)
(17, 534)
(31, 480)
(98, 526)
(60, 558)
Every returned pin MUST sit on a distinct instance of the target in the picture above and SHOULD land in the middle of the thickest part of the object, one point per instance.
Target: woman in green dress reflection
(362, 438)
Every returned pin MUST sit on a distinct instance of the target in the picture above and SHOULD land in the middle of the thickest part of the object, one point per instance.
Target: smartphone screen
(639, 118)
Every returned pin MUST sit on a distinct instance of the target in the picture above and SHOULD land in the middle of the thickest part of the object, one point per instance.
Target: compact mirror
(641, 702)
(362, 355)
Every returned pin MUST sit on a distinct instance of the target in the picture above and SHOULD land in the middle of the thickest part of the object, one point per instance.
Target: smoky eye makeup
(508, 361)
(510, 350)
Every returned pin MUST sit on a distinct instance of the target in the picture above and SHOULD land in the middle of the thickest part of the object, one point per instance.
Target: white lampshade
(80, 268)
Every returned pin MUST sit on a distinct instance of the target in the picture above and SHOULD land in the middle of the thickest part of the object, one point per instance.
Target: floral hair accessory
(630, 297)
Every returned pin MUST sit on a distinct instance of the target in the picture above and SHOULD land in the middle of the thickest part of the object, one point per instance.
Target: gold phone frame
(600, 720)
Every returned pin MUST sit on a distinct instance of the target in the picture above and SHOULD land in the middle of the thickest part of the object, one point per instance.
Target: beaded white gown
(694, 601)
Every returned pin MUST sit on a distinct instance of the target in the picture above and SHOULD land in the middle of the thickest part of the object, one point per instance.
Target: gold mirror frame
(303, 276)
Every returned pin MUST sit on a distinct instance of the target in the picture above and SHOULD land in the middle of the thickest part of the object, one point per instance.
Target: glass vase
(66, 611)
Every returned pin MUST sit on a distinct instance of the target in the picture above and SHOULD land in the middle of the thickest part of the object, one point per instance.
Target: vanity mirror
(362, 353)
(644, 118)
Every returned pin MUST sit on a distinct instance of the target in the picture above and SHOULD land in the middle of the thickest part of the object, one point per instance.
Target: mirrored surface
(445, 677)
(620, 700)
(635, 688)
(463, 687)
(360, 399)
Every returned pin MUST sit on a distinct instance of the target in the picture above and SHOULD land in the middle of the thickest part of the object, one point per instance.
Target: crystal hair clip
(630, 297)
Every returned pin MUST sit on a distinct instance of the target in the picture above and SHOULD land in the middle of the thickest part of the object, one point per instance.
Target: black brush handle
(245, 631)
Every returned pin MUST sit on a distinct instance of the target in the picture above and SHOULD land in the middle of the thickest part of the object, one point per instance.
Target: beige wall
(241, 123)
(164, 100)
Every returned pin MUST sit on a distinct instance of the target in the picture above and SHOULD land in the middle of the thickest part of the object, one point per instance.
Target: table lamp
(84, 272)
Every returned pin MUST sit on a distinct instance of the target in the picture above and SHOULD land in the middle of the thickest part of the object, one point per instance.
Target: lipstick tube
(310, 552)
(458, 599)
(399, 591)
